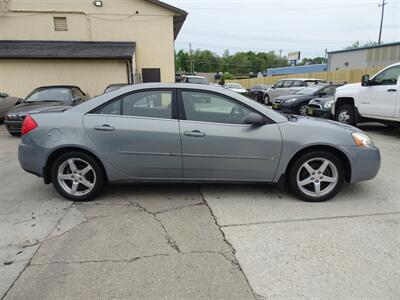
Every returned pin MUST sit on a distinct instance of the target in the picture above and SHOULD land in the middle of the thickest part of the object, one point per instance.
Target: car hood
(294, 96)
(31, 108)
(322, 100)
(350, 86)
(241, 91)
(322, 123)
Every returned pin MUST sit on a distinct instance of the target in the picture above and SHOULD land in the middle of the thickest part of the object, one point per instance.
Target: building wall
(92, 76)
(364, 58)
(149, 25)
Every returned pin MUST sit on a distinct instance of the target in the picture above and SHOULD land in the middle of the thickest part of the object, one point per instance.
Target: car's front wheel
(316, 176)
(302, 110)
(346, 114)
(77, 176)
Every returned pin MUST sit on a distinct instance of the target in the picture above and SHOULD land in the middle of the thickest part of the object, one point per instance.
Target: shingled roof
(66, 50)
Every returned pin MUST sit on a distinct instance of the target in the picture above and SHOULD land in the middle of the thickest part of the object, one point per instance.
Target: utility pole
(383, 12)
(191, 59)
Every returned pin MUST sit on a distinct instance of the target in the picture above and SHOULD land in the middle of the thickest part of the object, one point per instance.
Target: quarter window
(206, 107)
(152, 104)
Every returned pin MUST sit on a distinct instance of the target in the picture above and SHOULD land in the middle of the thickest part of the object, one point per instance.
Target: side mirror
(19, 101)
(365, 80)
(77, 99)
(272, 87)
(254, 119)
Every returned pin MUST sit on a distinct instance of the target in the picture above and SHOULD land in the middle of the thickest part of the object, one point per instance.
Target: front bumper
(365, 162)
(319, 113)
(13, 126)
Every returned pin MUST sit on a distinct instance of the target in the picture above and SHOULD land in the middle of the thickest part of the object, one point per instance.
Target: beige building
(87, 43)
(365, 57)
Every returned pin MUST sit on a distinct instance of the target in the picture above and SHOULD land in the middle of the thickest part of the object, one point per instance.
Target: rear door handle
(194, 133)
(104, 127)
(392, 90)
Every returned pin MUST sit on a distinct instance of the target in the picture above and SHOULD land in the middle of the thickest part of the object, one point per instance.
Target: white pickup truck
(374, 99)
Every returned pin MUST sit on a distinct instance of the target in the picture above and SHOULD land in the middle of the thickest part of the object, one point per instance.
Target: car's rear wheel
(346, 114)
(77, 176)
(316, 176)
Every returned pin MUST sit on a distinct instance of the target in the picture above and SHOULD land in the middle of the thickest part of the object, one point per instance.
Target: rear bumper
(365, 162)
(31, 159)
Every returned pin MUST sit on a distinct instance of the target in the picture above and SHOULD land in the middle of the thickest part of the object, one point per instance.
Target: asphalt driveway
(200, 242)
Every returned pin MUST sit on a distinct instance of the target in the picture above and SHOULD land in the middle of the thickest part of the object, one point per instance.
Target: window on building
(60, 24)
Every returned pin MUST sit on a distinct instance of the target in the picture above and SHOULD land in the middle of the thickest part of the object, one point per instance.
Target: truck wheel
(346, 115)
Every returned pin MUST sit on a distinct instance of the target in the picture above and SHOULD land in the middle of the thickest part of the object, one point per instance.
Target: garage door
(19, 77)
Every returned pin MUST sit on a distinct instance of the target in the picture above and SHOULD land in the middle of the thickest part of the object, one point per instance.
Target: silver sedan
(191, 133)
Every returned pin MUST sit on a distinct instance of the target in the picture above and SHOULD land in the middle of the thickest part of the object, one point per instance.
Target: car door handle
(194, 133)
(104, 127)
(392, 90)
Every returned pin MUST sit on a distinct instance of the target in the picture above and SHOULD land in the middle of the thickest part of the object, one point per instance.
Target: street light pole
(383, 12)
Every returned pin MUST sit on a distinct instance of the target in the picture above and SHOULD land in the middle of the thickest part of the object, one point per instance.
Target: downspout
(129, 71)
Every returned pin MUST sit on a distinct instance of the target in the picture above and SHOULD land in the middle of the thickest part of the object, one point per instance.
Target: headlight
(328, 104)
(362, 140)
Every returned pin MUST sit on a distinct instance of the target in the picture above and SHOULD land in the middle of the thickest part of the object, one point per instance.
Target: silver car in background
(6, 103)
(191, 133)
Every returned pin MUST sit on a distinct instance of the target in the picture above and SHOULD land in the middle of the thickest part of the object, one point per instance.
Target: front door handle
(194, 133)
(104, 127)
(392, 90)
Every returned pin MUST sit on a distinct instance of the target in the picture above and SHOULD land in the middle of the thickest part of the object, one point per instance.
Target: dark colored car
(258, 92)
(40, 100)
(115, 86)
(321, 107)
(297, 103)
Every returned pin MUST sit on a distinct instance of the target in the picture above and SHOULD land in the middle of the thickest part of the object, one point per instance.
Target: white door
(380, 98)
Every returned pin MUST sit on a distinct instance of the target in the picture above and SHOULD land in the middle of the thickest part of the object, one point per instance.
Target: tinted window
(298, 83)
(152, 104)
(207, 107)
(50, 94)
(287, 83)
(387, 77)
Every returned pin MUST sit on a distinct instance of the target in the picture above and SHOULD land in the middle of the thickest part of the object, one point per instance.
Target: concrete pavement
(208, 242)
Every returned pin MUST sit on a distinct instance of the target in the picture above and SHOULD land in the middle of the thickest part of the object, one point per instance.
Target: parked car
(195, 80)
(6, 103)
(374, 99)
(258, 92)
(42, 99)
(115, 86)
(287, 87)
(297, 103)
(236, 87)
(321, 107)
(191, 133)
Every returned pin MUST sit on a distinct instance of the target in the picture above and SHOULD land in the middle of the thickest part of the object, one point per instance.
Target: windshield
(51, 94)
(197, 80)
(234, 86)
(309, 90)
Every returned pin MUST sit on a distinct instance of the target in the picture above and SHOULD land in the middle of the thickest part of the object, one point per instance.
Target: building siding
(91, 76)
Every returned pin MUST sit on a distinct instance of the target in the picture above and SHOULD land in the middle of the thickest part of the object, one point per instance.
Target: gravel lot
(200, 242)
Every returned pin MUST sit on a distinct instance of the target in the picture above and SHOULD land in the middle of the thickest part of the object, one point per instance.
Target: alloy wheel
(303, 110)
(76, 177)
(317, 177)
(344, 116)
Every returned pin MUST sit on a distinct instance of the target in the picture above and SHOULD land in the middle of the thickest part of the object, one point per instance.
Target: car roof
(57, 86)
(303, 79)
(192, 76)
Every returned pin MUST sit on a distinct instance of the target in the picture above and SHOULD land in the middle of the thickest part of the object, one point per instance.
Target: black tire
(99, 176)
(267, 100)
(302, 110)
(348, 110)
(316, 155)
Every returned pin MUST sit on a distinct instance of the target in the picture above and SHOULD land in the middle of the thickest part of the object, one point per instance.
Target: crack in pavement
(35, 252)
(229, 244)
(169, 239)
(310, 219)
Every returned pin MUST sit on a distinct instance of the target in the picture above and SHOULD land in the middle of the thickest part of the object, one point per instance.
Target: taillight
(28, 125)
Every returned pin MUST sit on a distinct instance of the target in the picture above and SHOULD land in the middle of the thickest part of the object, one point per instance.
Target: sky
(309, 26)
